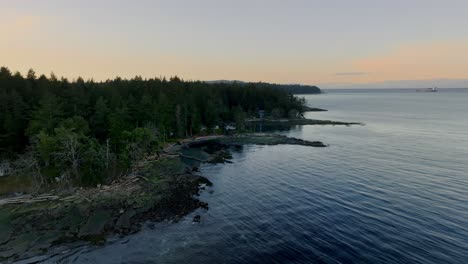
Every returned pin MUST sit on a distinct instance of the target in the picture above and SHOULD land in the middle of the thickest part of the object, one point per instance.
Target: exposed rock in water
(299, 121)
(313, 109)
(196, 219)
(268, 139)
(221, 156)
(124, 223)
(95, 224)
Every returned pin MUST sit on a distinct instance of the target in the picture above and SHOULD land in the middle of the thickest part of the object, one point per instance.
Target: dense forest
(300, 89)
(86, 132)
(291, 88)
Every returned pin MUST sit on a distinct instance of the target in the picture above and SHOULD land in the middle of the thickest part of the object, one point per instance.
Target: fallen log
(28, 199)
(191, 158)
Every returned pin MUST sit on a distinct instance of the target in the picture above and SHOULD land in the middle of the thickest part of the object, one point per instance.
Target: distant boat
(428, 90)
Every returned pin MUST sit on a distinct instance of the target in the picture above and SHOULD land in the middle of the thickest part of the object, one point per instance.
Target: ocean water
(392, 191)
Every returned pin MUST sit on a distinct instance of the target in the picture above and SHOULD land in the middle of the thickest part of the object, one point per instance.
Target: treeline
(299, 89)
(290, 88)
(86, 132)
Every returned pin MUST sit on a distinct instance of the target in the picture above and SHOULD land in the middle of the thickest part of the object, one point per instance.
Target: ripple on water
(393, 191)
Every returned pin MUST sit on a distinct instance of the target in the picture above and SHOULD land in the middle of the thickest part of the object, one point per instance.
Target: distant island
(291, 88)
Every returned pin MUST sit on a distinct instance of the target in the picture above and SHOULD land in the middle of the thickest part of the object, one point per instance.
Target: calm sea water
(392, 191)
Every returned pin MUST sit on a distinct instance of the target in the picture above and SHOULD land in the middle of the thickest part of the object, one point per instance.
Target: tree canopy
(85, 129)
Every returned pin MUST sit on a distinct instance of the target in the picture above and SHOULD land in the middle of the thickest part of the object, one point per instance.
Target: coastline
(160, 188)
(299, 121)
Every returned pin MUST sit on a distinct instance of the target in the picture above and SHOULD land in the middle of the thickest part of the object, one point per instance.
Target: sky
(332, 44)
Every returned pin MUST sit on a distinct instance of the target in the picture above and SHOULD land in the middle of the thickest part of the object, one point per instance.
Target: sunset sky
(332, 44)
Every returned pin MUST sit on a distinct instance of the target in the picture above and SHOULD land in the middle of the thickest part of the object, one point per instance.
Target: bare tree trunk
(107, 153)
(28, 165)
(70, 152)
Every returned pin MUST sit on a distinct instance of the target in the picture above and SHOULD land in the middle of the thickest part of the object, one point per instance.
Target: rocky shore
(299, 121)
(159, 190)
(313, 109)
(162, 187)
(267, 139)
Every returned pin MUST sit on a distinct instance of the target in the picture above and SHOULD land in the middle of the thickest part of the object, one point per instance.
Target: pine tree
(47, 116)
(100, 119)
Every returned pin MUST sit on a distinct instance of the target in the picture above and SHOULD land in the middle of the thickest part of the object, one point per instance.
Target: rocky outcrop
(161, 190)
(299, 122)
(267, 139)
(312, 109)
(156, 190)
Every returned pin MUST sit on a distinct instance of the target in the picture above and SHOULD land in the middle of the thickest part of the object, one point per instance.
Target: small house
(229, 127)
(261, 114)
(5, 168)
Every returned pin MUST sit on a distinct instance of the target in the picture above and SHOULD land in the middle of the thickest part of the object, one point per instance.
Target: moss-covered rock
(266, 139)
(300, 121)
(95, 224)
(159, 190)
(6, 229)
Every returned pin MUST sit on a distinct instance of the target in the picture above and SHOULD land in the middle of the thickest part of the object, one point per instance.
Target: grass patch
(11, 184)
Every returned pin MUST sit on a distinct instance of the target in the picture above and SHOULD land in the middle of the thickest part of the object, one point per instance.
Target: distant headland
(291, 88)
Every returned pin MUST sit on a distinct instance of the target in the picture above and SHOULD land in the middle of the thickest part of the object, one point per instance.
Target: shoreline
(159, 188)
(299, 122)
(313, 109)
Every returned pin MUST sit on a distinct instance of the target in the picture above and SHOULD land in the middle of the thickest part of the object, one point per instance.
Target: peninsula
(88, 159)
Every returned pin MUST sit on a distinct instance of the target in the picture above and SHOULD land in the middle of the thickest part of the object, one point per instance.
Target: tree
(92, 129)
(5, 73)
(100, 120)
(239, 118)
(63, 149)
(180, 120)
(165, 116)
(76, 124)
(31, 75)
(119, 122)
(139, 143)
(70, 148)
(71, 138)
(293, 113)
(27, 165)
(46, 146)
(47, 116)
(95, 161)
(277, 113)
(13, 121)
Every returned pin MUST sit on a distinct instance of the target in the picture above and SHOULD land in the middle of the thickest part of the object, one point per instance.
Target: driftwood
(126, 182)
(28, 199)
(69, 198)
(191, 158)
(143, 178)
